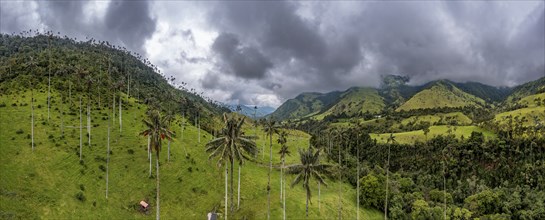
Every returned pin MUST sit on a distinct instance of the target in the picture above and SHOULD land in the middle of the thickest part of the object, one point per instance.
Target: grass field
(44, 183)
(413, 136)
(457, 117)
(533, 100)
(440, 95)
(530, 114)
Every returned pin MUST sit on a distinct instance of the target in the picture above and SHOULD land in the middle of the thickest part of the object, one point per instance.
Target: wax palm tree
(270, 129)
(391, 140)
(231, 145)
(309, 168)
(157, 131)
(282, 140)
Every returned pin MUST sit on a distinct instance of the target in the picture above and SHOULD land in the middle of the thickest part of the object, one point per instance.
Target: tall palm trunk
(80, 129)
(62, 115)
(49, 81)
(199, 129)
(157, 178)
(149, 155)
(307, 200)
(32, 116)
(89, 121)
(238, 200)
(340, 181)
(182, 136)
(319, 195)
(232, 172)
(284, 201)
(358, 183)
(120, 121)
(226, 196)
(113, 110)
(387, 176)
(108, 161)
(269, 182)
(444, 192)
(168, 156)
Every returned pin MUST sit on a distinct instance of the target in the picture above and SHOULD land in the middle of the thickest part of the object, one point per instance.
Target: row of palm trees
(232, 146)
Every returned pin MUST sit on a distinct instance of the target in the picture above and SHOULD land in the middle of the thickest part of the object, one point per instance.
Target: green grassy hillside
(356, 101)
(413, 136)
(47, 182)
(440, 94)
(304, 105)
(440, 118)
(527, 89)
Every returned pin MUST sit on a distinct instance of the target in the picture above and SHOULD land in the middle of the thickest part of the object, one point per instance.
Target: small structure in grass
(144, 206)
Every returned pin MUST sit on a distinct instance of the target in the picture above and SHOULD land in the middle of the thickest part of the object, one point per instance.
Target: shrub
(3, 104)
(130, 151)
(20, 131)
(82, 187)
(80, 196)
(102, 167)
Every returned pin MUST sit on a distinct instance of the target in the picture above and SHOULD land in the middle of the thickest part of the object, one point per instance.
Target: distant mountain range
(250, 110)
(395, 95)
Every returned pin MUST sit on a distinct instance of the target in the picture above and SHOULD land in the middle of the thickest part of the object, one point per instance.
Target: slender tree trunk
(149, 155)
(70, 92)
(307, 202)
(113, 110)
(80, 129)
(32, 116)
(149, 142)
(284, 200)
(120, 121)
(182, 135)
(49, 81)
(226, 196)
(269, 182)
(319, 195)
(358, 183)
(157, 178)
(199, 128)
(387, 179)
(232, 192)
(444, 192)
(340, 181)
(238, 200)
(168, 156)
(49, 95)
(108, 161)
(62, 114)
(281, 175)
(89, 121)
(128, 85)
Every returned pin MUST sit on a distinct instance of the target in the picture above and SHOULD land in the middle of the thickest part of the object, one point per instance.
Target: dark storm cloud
(129, 22)
(126, 23)
(246, 62)
(340, 47)
(285, 35)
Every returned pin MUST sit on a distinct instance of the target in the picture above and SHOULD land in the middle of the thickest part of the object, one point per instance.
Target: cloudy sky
(262, 53)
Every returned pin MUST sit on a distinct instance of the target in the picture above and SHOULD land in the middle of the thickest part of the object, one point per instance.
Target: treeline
(94, 69)
(444, 176)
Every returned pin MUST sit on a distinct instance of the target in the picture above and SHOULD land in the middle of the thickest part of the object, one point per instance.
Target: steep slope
(356, 101)
(440, 94)
(485, 92)
(529, 88)
(95, 70)
(304, 105)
